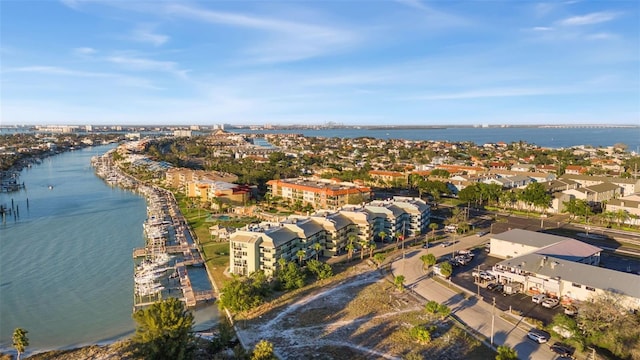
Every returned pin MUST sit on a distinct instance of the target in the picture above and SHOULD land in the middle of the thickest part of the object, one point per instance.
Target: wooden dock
(173, 249)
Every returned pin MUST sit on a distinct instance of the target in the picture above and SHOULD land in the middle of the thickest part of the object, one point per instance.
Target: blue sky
(312, 62)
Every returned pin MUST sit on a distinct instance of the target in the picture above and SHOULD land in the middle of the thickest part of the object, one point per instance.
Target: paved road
(475, 314)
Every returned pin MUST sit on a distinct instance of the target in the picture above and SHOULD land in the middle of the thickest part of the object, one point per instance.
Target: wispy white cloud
(542, 28)
(435, 18)
(602, 36)
(146, 33)
(142, 64)
(589, 19)
(495, 92)
(284, 40)
(84, 51)
(61, 71)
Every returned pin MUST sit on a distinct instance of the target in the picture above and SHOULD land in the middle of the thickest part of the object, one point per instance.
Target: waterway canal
(66, 271)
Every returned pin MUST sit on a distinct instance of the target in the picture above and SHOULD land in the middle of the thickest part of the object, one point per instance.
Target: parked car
(550, 303)
(463, 260)
(495, 287)
(562, 350)
(538, 336)
(571, 310)
(466, 253)
(538, 298)
(484, 275)
(482, 233)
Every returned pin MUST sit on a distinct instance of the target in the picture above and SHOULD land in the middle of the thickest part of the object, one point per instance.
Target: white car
(550, 303)
(538, 336)
(539, 298)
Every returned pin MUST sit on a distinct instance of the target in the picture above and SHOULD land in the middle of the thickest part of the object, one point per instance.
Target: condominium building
(260, 246)
(319, 193)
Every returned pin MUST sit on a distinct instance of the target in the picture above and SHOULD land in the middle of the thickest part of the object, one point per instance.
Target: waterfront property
(559, 267)
(260, 246)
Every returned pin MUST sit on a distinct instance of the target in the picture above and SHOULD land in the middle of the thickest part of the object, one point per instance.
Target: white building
(559, 267)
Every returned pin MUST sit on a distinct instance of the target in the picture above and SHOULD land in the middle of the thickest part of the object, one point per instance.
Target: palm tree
(382, 235)
(378, 258)
(433, 227)
(363, 245)
(20, 340)
(428, 260)
(317, 247)
(300, 254)
(399, 237)
(263, 351)
(372, 247)
(506, 353)
(399, 282)
(350, 245)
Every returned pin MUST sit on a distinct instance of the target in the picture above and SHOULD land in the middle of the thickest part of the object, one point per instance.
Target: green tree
(263, 351)
(536, 195)
(606, 323)
(435, 308)
(433, 227)
(446, 269)
(420, 334)
(399, 282)
(301, 254)
(317, 247)
(20, 340)
(319, 269)
(382, 235)
(291, 276)
(164, 331)
(428, 260)
(431, 306)
(350, 247)
(364, 244)
(378, 258)
(506, 353)
(244, 294)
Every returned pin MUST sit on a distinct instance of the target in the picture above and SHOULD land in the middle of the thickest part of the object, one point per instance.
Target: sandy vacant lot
(357, 315)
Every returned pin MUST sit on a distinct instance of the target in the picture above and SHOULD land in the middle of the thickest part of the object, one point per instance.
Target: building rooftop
(570, 249)
(529, 238)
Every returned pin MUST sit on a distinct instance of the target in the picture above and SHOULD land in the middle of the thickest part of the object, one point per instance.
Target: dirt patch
(359, 315)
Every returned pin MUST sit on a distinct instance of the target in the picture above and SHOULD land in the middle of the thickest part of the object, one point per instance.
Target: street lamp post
(493, 318)
(478, 281)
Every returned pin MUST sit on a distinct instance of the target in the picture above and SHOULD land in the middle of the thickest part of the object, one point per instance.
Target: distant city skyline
(404, 62)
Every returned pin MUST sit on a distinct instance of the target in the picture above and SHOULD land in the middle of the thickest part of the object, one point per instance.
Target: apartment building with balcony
(260, 246)
(319, 193)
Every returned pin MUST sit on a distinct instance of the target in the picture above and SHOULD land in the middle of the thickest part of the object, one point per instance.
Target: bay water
(544, 136)
(66, 267)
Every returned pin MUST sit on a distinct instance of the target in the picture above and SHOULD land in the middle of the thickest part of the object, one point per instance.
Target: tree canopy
(164, 331)
(20, 340)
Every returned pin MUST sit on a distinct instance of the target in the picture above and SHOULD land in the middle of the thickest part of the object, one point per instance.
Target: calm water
(66, 271)
(545, 137)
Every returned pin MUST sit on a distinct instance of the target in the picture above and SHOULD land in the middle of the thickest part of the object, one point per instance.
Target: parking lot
(520, 302)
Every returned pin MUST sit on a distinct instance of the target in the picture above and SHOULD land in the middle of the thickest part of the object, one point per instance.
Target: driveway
(478, 315)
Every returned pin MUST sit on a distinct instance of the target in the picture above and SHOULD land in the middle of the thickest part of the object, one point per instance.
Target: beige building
(319, 193)
(260, 246)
